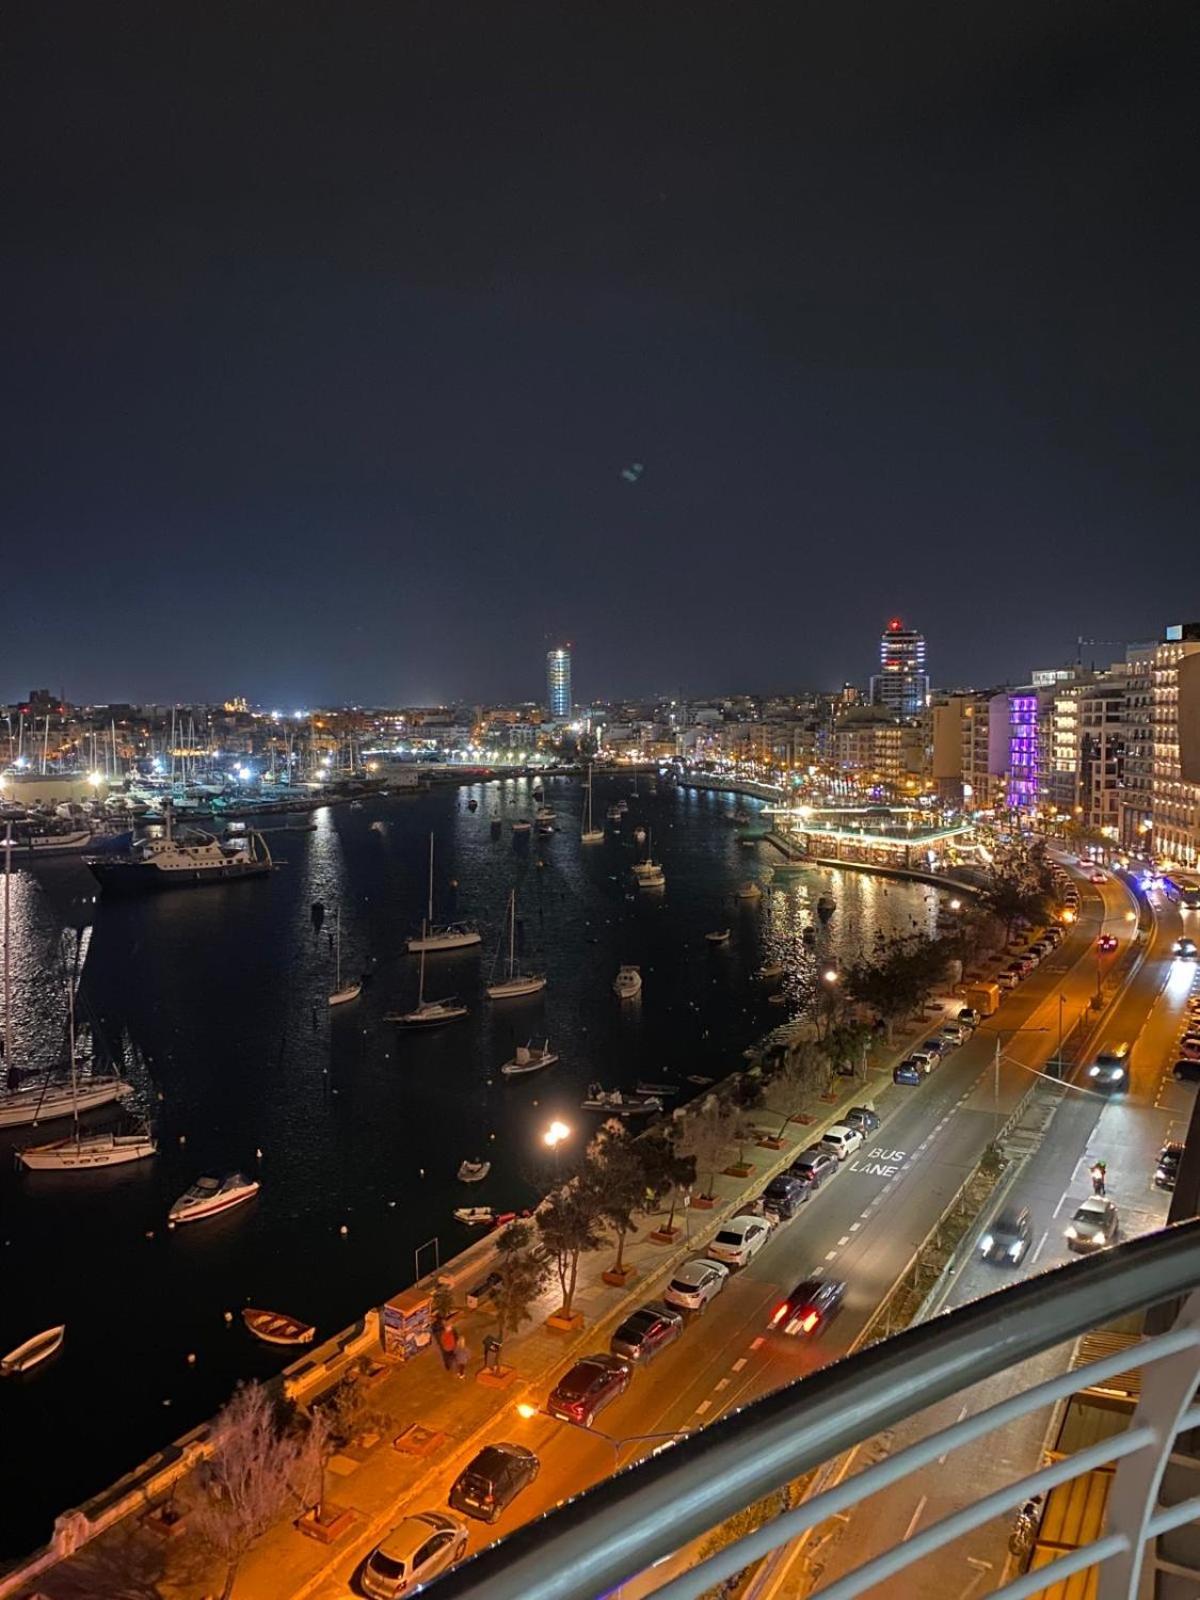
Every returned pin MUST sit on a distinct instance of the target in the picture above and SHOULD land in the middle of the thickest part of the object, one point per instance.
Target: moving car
(416, 1550)
(907, 1072)
(1099, 877)
(842, 1140)
(493, 1480)
(740, 1240)
(813, 1166)
(696, 1283)
(649, 1330)
(1185, 948)
(1167, 1170)
(864, 1117)
(1106, 942)
(1093, 1226)
(809, 1306)
(1006, 1238)
(591, 1384)
(783, 1197)
(1109, 1073)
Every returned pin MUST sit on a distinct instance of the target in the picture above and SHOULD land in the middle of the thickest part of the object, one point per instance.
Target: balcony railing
(620, 1528)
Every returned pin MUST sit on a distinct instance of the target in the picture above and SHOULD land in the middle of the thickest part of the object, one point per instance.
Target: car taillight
(780, 1313)
(489, 1498)
(810, 1322)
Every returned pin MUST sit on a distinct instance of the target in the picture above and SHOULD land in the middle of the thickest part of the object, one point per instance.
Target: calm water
(359, 1123)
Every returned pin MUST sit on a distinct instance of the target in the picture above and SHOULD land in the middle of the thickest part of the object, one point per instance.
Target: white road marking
(1040, 1247)
(916, 1517)
(723, 1384)
(941, 1460)
(855, 1226)
(1059, 1206)
(739, 1364)
(831, 1256)
(702, 1407)
(866, 1215)
(845, 1239)
(756, 1344)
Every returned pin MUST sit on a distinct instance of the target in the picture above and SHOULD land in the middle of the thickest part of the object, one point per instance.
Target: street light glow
(830, 975)
(555, 1134)
(524, 1409)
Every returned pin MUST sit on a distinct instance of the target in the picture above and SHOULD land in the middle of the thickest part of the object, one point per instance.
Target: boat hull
(443, 941)
(85, 1155)
(33, 1352)
(26, 1108)
(515, 988)
(213, 1207)
(342, 997)
(141, 877)
(275, 1327)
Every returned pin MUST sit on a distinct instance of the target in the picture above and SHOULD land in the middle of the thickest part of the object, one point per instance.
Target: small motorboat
(545, 814)
(208, 1196)
(826, 906)
(276, 1327)
(700, 1082)
(615, 1104)
(719, 936)
(33, 1352)
(770, 971)
(639, 835)
(475, 1216)
(473, 1171)
(613, 813)
(750, 891)
(529, 1058)
(657, 1088)
(627, 984)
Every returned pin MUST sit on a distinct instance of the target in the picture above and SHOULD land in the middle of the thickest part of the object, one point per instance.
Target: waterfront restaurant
(880, 836)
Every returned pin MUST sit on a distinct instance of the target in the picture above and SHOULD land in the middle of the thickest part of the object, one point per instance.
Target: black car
(1167, 1169)
(813, 1166)
(591, 1384)
(809, 1306)
(1186, 1071)
(650, 1329)
(1006, 1238)
(864, 1118)
(493, 1480)
(784, 1196)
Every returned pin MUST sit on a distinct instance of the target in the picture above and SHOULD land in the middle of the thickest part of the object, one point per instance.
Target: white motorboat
(475, 1216)
(718, 936)
(341, 992)
(529, 1058)
(591, 833)
(615, 1104)
(276, 1327)
(750, 891)
(83, 1152)
(33, 1352)
(628, 983)
(516, 984)
(427, 1013)
(614, 813)
(770, 971)
(473, 1171)
(450, 936)
(209, 1196)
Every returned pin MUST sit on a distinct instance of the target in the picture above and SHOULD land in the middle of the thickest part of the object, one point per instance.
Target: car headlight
(1014, 1250)
(1117, 1074)
(986, 1243)
(1072, 1232)
(1093, 1072)
(1098, 1236)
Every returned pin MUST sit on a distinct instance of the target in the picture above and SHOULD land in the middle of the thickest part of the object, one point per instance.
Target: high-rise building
(1175, 734)
(558, 683)
(901, 684)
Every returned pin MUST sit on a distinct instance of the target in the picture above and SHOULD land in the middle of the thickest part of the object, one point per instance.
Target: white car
(696, 1283)
(955, 1032)
(417, 1549)
(843, 1140)
(740, 1240)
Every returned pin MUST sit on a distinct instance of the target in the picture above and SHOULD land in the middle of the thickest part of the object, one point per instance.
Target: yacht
(43, 1101)
(186, 862)
(342, 993)
(591, 833)
(208, 1196)
(85, 1151)
(628, 983)
(451, 936)
(427, 1013)
(516, 984)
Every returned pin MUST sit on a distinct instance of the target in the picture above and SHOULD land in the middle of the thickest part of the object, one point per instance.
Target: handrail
(624, 1524)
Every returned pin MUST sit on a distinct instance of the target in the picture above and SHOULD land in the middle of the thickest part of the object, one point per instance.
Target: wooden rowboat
(33, 1352)
(276, 1327)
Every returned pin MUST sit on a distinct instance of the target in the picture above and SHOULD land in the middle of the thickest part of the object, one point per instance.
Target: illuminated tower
(901, 684)
(558, 683)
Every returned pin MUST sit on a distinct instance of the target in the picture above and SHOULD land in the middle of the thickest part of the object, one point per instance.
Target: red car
(1106, 942)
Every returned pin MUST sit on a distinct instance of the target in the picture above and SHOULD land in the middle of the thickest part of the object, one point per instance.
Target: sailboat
(517, 983)
(452, 936)
(649, 874)
(591, 833)
(350, 991)
(428, 1013)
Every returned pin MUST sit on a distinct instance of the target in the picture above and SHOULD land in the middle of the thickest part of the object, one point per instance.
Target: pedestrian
(1099, 1172)
(461, 1356)
(447, 1339)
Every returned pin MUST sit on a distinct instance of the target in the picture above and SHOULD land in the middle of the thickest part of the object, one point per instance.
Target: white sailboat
(452, 936)
(517, 983)
(591, 833)
(428, 1013)
(649, 874)
(350, 991)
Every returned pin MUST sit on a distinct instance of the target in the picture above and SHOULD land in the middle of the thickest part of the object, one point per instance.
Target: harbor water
(354, 1126)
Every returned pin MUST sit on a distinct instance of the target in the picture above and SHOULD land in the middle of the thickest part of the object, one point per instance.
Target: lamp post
(553, 1137)
(996, 1074)
(528, 1412)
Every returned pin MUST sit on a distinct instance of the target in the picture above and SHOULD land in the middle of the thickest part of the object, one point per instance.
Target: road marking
(855, 1226)
(738, 1364)
(831, 1256)
(702, 1408)
(865, 1216)
(941, 1460)
(1041, 1245)
(756, 1344)
(723, 1384)
(845, 1239)
(916, 1517)
(1059, 1206)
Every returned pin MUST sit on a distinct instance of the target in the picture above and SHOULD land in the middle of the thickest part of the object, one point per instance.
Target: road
(1127, 1133)
(864, 1226)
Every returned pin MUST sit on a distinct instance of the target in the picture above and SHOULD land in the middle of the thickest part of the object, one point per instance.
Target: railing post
(1168, 1388)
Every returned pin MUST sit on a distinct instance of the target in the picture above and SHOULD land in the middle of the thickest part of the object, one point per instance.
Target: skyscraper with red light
(901, 684)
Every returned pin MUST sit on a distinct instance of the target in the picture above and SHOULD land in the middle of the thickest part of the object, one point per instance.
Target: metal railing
(625, 1524)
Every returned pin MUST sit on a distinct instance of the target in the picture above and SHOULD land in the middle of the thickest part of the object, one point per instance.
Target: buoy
(343, 1230)
(191, 1358)
(166, 1402)
(391, 1205)
(183, 1138)
(149, 1233)
(229, 1316)
(421, 1172)
(170, 1227)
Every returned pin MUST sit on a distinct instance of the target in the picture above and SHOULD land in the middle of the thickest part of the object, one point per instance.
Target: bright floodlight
(524, 1409)
(555, 1134)
(956, 905)
(830, 975)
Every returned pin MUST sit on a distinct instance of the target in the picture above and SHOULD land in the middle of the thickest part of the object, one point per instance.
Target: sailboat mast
(71, 1045)
(512, 932)
(337, 945)
(8, 1034)
(421, 983)
(429, 913)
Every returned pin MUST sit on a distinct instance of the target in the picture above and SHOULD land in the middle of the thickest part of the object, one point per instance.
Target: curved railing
(649, 1511)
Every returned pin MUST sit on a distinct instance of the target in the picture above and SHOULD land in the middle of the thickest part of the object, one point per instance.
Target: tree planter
(740, 1169)
(565, 1323)
(802, 1117)
(703, 1202)
(664, 1235)
(496, 1377)
(618, 1277)
(327, 1523)
(769, 1142)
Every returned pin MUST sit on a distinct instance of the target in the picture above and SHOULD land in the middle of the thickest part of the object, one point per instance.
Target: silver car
(696, 1283)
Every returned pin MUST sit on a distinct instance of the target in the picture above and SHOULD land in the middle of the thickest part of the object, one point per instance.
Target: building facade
(1175, 735)
(558, 683)
(902, 684)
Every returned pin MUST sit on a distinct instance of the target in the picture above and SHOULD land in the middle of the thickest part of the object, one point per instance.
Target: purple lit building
(1026, 767)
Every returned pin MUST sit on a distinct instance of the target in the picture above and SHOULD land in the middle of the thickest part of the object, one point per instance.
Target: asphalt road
(863, 1226)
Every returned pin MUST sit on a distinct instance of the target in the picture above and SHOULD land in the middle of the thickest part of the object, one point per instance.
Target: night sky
(329, 330)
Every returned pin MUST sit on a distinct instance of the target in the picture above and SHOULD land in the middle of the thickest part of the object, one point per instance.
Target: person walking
(1099, 1173)
(447, 1339)
(461, 1356)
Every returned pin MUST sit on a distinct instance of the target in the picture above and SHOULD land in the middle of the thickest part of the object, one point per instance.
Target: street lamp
(555, 1135)
(528, 1412)
(996, 1070)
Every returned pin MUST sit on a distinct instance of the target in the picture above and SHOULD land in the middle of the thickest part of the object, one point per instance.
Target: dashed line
(738, 1364)
(855, 1226)
(845, 1239)
(1041, 1246)
(756, 1344)
(831, 1256)
(722, 1384)
(702, 1408)
(865, 1216)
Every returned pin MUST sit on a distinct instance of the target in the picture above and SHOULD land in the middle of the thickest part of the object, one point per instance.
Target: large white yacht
(164, 861)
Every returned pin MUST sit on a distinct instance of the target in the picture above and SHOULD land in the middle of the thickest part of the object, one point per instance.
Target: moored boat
(628, 982)
(614, 1103)
(33, 1352)
(718, 936)
(516, 984)
(187, 862)
(750, 891)
(450, 936)
(473, 1171)
(276, 1327)
(207, 1197)
(826, 906)
(529, 1058)
(475, 1216)
(44, 1101)
(84, 1152)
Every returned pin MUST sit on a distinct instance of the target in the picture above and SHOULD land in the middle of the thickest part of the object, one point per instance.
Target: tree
(667, 1168)
(256, 1473)
(441, 1301)
(524, 1273)
(706, 1138)
(620, 1170)
(569, 1224)
(846, 1042)
(1012, 896)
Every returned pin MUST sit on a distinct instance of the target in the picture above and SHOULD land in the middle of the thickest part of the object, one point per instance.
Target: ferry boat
(187, 862)
(209, 1196)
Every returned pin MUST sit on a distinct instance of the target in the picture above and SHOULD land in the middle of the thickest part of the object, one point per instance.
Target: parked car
(1093, 1226)
(842, 1139)
(1186, 1071)
(1106, 942)
(591, 1384)
(647, 1332)
(783, 1197)
(954, 1032)
(1185, 948)
(936, 1048)
(1167, 1170)
(740, 1240)
(1109, 1073)
(1098, 877)
(907, 1072)
(923, 1061)
(813, 1166)
(1006, 980)
(493, 1480)
(416, 1550)
(1006, 1239)
(1053, 937)
(864, 1117)
(696, 1283)
(969, 1017)
(809, 1306)
(1189, 1047)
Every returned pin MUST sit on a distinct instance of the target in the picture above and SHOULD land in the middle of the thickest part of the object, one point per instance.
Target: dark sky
(329, 329)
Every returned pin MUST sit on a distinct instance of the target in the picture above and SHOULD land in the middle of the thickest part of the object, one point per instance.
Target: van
(982, 997)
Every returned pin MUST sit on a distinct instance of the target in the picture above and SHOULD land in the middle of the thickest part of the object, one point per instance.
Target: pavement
(864, 1225)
